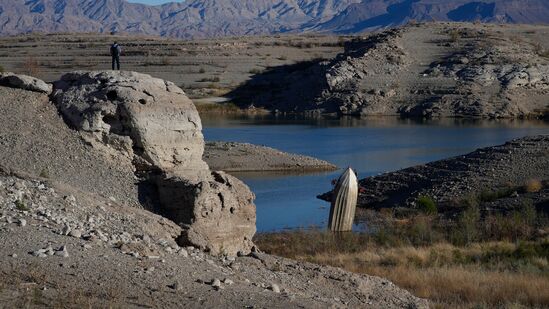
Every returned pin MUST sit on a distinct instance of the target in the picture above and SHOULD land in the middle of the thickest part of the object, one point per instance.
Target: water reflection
(369, 145)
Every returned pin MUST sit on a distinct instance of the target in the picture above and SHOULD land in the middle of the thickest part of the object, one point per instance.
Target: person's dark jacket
(115, 50)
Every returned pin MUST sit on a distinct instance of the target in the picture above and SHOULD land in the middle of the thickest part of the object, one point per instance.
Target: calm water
(371, 146)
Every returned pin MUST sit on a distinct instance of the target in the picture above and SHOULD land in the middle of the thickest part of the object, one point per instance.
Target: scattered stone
(175, 286)
(75, 233)
(183, 252)
(216, 283)
(62, 252)
(66, 230)
(228, 281)
(149, 270)
(275, 288)
(70, 198)
(24, 82)
(22, 222)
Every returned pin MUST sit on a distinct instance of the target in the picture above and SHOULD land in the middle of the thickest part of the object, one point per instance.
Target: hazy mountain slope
(207, 18)
(374, 14)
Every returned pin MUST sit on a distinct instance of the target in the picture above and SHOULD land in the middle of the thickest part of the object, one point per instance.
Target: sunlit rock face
(155, 123)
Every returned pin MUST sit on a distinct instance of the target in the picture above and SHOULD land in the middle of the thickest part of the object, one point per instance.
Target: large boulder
(24, 82)
(158, 125)
(162, 123)
(216, 212)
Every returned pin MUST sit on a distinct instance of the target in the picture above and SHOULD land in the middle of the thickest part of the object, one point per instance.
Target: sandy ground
(244, 157)
(202, 67)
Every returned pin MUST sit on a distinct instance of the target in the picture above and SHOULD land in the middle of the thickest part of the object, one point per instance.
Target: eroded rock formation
(24, 82)
(153, 121)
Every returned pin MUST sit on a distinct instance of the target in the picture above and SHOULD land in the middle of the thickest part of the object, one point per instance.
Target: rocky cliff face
(425, 70)
(153, 122)
(208, 18)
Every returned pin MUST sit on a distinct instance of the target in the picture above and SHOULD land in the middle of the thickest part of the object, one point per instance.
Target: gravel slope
(34, 139)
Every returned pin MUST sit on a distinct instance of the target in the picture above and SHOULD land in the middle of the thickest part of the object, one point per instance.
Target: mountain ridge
(216, 18)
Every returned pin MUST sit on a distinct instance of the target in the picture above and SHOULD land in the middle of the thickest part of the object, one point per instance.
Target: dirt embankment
(500, 177)
(75, 234)
(244, 157)
(424, 70)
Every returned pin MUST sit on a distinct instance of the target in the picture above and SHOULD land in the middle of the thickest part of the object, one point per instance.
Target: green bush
(426, 204)
(255, 71)
(21, 206)
(44, 173)
(466, 230)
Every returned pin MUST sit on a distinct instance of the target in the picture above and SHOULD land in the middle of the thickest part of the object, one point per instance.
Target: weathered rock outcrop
(431, 70)
(153, 121)
(135, 112)
(24, 82)
(220, 209)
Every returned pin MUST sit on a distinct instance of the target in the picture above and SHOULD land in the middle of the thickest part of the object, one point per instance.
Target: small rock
(228, 281)
(22, 222)
(62, 252)
(75, 233)
(216, 283)
(176, 286)
(14, 255)
(49, 250)
(66, 230)
(183, 252)
(275, 288)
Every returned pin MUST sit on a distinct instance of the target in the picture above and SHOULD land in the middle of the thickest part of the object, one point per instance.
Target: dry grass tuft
(490, 274)
(31, 67)
(533, 186)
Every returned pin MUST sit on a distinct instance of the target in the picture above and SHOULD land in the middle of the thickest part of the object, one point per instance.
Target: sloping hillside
(212, 18)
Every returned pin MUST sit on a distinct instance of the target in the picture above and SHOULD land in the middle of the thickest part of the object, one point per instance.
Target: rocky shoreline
(244, 157)
(423, 70)
(502, 177)
(105, 201)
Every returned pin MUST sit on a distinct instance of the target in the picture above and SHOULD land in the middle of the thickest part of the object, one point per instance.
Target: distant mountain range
(214, 18)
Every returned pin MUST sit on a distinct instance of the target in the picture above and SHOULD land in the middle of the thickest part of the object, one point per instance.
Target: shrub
(426, 204)
(255, 71)
(466, 229)
(214, 79)
(44, 173)
(31, 66)
(542, 52)
(1, 69)
(454, 35)
(202, 71)
(21, 206)
(490, 196)
(533, 186)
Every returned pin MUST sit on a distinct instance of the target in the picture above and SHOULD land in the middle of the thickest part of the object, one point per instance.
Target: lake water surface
(371, 146)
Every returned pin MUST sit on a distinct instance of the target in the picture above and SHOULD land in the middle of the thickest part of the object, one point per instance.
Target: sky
(154, 2)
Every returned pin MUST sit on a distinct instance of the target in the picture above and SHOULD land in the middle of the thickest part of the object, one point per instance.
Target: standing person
(115, 54)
